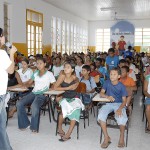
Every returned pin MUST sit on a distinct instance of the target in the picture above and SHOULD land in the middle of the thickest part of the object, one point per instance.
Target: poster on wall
(122, 35)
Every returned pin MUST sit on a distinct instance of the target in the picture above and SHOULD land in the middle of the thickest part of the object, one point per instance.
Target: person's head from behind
(69, 67)
(93, 67)
(58, 60)
(86, 70)
(115, 74)
(25, 63)
(122, 63)
(41, 63)
(124, 71)
(2, 38)
(129, 48)
(98, 62)
(111, 52)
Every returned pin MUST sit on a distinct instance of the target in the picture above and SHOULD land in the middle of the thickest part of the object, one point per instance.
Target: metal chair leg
(57, 123)
(77, 130)
(127, 133)
(101, 136)
(49, 112)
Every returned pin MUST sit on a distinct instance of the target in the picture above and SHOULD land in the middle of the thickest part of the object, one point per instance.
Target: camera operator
(6, 66)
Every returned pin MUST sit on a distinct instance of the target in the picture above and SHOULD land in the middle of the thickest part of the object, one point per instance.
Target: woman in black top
(70, 104)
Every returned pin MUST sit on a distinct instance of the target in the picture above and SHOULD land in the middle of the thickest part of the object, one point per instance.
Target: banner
(122, 32)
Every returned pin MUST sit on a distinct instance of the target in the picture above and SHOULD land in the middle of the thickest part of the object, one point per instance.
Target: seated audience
(116, 92)
(70, 104)
(129, 83)
(147, 101)
(42, 79)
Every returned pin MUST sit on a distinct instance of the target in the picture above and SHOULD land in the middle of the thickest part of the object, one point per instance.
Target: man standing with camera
(6, 66)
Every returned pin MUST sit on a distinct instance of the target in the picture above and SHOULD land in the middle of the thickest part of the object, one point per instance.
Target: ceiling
(91, 9)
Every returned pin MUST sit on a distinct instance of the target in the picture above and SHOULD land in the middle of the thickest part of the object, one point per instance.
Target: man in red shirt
(121, 45)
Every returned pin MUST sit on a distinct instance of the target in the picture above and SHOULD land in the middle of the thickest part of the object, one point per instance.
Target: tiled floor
(89, 137)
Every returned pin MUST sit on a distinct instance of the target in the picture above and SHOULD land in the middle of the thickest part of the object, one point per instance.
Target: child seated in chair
(147, 101)
(116, 92)
(129, 83)
(90, 84)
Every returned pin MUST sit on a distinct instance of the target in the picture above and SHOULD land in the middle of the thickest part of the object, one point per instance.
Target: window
(67, 37)
(58, 35)
(63, 37)
(34, 21)
(53, 34)
(142, 38)
(102, 39)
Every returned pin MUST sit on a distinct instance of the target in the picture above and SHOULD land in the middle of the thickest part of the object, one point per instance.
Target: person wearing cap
(6, 66)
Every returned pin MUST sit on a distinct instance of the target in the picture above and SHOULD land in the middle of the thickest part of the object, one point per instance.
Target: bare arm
(60, 80)
(11, 68)
(102, 94)
(145, 89)
(18, 78)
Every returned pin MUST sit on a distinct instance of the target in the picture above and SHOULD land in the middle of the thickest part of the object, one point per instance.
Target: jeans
(36, 102)
(4, 141)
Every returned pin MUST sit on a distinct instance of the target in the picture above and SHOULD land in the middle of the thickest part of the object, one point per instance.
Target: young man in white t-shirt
(6, 66)
(42, 80)
(57, 68)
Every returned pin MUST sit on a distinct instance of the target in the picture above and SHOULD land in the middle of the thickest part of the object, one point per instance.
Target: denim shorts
(147, 101)
(112, 107)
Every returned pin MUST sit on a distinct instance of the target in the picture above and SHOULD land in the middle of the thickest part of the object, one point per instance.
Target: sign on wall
(122, 30)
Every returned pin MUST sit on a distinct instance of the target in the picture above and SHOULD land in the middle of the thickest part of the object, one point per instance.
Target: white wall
(93, 25)
(1, 14)
(18, 18)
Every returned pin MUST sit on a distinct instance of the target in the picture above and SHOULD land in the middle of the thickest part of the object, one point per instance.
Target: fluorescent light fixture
(107, 8)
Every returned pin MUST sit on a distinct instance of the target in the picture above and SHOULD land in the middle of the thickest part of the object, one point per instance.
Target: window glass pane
(29, 28)
(32, 29)
(28, 44)
(138, 29)
(28, 36)
(146, 29)
(35, 17)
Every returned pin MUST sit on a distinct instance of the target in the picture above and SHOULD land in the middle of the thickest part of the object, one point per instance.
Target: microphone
(9, 45)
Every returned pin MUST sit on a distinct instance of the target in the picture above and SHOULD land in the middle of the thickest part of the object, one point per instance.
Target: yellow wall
(92, 48)
(137, 48)
(22, 48)
(47, 48)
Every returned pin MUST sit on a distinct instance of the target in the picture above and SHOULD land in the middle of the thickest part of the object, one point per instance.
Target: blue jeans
(4, 141)
(36, 102)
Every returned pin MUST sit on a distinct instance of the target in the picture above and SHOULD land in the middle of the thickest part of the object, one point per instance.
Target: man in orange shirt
(128, 82)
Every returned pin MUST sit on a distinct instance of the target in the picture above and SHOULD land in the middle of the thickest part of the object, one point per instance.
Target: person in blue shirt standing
(111, 60)
(128, 52)
(116, 92)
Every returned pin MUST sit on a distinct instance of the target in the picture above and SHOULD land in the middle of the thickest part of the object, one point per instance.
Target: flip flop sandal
(63, 139)
(147, 131)
(61, 134)
(105, 145)
(121, 145)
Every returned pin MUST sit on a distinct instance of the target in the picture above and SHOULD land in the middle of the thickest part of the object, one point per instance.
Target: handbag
(86, 99)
